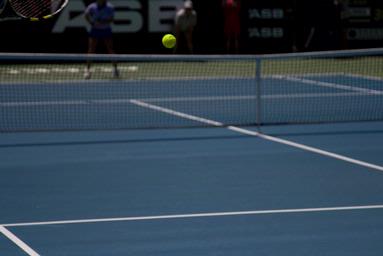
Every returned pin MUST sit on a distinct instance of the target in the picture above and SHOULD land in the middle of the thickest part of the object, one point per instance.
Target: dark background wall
(267, 26)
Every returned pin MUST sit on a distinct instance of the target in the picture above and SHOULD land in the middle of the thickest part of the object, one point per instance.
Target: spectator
(100, 15)
(185, 22)
(231, 9)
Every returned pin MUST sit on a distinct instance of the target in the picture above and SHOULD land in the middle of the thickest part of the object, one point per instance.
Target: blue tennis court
(307, 181)
(90, 176)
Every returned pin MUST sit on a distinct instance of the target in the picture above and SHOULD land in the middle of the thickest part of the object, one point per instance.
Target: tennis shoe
(116, 73)
(87, 74)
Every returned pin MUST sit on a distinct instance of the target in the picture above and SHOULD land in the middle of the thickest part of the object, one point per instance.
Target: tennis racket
(34, 10)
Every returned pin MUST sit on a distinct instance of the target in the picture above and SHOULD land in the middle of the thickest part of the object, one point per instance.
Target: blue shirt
(100, 14)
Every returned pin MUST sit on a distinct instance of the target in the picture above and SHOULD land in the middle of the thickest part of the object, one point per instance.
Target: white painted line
(176, 113)
(23, 246)
(249, 97)
(327, 84)
(181, 99)
(325, 74)
(260, 135)
(307, 148)
(107, 69)
(198, 215)
(42, 103)
(366, 77)
(243, 131)
(322, 152)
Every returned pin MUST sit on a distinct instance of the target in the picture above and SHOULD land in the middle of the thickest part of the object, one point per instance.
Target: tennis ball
(169, 41)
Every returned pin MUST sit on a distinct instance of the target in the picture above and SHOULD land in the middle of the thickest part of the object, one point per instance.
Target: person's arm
(88, 16)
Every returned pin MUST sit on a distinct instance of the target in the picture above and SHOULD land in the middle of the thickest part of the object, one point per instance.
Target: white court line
(307, 148)
(325, 74)
(176, 113)
(260, 135)
(101, 82)
(366, 77)
(43, 103)
(181, 99)
(263, 97)
(327, 84)
(23, 246)
(198, 215)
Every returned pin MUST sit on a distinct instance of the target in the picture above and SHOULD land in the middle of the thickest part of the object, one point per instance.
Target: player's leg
(227, 32)
(92, 45)
(109, 47)
(178, 36)
(236, 35)
(189, 40)
(228, 44)
(236, 44)
(236, 41)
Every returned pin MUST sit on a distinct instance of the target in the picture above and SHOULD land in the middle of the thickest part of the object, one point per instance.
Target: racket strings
(2, 5)
(36, 8)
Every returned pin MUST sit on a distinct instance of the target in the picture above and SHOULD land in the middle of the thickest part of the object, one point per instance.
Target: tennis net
(48, 91)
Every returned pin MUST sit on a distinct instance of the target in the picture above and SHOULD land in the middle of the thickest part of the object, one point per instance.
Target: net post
(258, 81)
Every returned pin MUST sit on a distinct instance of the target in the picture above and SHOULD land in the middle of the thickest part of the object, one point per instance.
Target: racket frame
(19, 16)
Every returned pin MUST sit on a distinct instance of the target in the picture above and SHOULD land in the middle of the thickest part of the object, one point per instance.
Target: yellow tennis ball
(169, 41)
